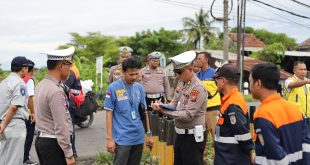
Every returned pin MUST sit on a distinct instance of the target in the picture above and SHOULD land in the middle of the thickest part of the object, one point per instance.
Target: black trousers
(187, 151)
(49, 152)
(29, 138)
(128, 155)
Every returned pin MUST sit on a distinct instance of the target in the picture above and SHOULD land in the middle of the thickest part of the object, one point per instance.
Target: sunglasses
(178, 71)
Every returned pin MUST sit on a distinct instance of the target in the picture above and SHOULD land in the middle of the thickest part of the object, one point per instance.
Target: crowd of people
(206, 106)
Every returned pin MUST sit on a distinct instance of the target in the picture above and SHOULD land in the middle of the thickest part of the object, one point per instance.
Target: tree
(271, 38)
(199, 29)
(247, 29)
(272, 53)
(169, 42)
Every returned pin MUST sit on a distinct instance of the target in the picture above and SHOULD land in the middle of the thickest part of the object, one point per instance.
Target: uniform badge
(64, 101)
(194, 95)
(22, 90)
(120, 94)
(178, 88)
(232, 119)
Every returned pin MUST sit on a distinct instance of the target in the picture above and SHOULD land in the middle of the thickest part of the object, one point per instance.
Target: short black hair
(206, 54)
(30, 65)
(131, 63)
(51, 64)
(16, 68)
(298, 62)
(268, 73)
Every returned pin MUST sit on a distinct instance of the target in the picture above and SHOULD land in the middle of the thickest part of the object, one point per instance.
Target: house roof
(304, 45)
(250, 40)
(250, 62)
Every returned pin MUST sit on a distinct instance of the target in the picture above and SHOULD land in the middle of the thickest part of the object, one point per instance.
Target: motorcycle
(84, 122)
(84, 114)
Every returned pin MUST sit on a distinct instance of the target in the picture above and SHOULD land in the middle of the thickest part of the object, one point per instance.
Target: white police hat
(125, 50)
(62, 54)
(183, 59)
(155, 55)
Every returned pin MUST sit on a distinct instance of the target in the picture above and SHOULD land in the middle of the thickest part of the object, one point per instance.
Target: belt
(154, 96)
(185, 131)
(45, 135)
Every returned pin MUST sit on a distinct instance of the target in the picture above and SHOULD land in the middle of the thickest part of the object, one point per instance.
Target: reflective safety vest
(300, 96)
(214, 98)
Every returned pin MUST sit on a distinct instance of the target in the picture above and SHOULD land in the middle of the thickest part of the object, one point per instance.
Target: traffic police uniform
(115, 72)
(13, 92)
(190, 99)
(281, 134)
(53, 119)
(155, 82)
(233, 140)
(298, 95)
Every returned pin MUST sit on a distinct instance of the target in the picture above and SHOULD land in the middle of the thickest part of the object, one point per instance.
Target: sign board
(99, 64)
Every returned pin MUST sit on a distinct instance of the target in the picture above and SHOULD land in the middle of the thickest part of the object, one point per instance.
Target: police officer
(233, 141)
(51, 108)
(188, 109)
(115, 72)
(155, 81)
(13, 113)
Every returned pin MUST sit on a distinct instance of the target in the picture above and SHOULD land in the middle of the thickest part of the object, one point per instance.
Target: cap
(155, 55)
(62, 54)
(125, 50)
(19, 61)
(229, 71)
(30, 65)
(183, 59)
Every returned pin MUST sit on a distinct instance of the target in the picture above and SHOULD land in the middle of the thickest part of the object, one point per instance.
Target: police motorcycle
(84, 105)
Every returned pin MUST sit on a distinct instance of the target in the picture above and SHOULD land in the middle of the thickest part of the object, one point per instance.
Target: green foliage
(40, 74)
(272, 53)
(169, 42)
(247, 30)
(215, 43)
(271, 38)
(199, 29)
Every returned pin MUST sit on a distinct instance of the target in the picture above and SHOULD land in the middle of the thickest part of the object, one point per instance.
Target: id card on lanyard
(131, 102)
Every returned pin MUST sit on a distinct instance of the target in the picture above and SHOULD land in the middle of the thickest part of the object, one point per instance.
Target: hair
(232, 81)
(16, 68)
(268, 73)
(30, 68)
(206, 54)
(51, 64)
(131, 63)
(298, 62)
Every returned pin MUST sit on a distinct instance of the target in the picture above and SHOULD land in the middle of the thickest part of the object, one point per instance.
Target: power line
(303, 4)
(306, 26)
(249, 16)
(292, 13)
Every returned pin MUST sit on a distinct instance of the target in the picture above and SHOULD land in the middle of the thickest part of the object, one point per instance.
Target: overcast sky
(30, 27)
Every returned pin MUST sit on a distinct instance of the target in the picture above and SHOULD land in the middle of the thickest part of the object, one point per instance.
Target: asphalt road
(89, 141)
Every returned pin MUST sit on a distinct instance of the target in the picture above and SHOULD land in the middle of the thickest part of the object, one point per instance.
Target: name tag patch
(120, 94)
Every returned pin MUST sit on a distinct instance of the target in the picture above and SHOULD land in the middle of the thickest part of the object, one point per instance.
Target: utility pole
(239, 18)
(225, 28)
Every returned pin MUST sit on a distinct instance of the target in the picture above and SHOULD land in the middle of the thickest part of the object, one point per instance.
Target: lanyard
(131, 97)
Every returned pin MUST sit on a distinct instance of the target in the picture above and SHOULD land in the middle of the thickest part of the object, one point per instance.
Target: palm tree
(199, 29)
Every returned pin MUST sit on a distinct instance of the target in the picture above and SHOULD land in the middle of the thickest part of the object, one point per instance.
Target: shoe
(30, 162)
(75, 155)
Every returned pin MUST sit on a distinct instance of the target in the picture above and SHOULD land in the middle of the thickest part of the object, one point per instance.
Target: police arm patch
(23, 90)
(194, 95)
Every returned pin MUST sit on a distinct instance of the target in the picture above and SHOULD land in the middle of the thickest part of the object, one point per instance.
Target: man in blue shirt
(125, 131)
